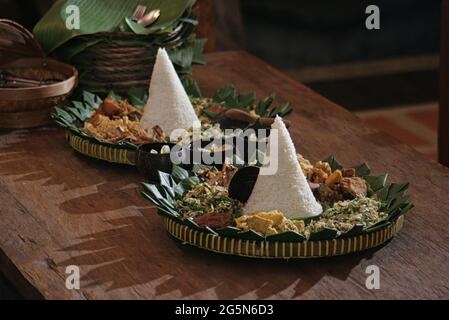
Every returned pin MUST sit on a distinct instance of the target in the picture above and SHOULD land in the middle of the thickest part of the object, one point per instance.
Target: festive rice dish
(321, 201)
(169, 105)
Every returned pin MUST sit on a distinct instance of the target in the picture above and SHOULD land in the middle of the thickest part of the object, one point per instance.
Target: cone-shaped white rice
(168, 105)
(287, 190)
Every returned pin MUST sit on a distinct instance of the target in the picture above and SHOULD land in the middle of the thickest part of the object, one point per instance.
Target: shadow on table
(134, 249)
(137, 251)
(43, 156)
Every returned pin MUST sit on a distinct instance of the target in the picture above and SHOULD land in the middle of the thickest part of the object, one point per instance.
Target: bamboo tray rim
(56, 89)
(265, 249)
(99, 151)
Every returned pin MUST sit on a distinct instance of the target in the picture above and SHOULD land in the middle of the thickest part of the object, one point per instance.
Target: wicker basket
(107, 65)
(30, 106)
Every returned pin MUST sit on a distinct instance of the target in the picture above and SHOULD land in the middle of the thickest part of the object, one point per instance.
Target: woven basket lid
(17, 42)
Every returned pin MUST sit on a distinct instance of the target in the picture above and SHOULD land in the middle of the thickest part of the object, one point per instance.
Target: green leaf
(397, 188)
(230, 232)
(288, 236)
(264, 104)
(333, 163)
(198, 49)
(250, 235)
(382, 193)
(377, 226)
(102, 16)
(72, 118)
(190, 182)
(138, 96)
(324, 234)
(91, 99)
(355, 230)
(396, 203)
(153, 199)
(281, 110)
(74, 47)
(182, 57)
(376, 182)
(362, 170)
(114, 96)
(166, 180)
(222, 95)
(179, 173)
(191, 87)
(244, 100)
(153, 190)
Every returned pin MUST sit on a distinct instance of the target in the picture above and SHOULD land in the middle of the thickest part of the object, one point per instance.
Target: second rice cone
(287, 190)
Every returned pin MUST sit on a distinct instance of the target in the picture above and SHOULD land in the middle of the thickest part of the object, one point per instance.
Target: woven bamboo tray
(99, 151)
(278, 249)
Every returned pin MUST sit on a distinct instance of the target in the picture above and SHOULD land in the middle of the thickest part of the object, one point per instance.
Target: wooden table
(59, 208)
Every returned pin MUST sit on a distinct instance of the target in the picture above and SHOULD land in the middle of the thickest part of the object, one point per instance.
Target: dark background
(295, 35)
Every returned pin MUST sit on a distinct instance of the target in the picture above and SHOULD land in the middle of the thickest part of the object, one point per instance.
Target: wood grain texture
(443, 130)
(59, 208)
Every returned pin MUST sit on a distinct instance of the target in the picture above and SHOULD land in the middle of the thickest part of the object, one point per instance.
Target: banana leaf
(103, 16)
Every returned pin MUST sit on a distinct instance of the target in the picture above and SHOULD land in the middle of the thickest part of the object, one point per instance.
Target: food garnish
(204, 201)
(332, 186)
(344, 215)
(208, 203)
(269, 223)
(117, 121)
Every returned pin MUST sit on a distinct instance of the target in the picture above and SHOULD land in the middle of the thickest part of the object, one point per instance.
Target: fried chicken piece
(349, 173)
(215, 220)
(354, 185)
(110, 107)
(320, 172)
(334, 177)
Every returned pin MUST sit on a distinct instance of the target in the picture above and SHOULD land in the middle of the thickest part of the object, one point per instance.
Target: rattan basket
(21, 56)
(119, 60)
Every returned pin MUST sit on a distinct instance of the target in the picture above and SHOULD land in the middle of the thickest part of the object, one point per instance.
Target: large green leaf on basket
(101, 16)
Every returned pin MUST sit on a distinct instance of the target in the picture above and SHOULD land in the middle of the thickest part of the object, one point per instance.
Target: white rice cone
(168, 105)
(287, 190)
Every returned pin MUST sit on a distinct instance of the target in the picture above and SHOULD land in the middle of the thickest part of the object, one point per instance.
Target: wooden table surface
(59, 208)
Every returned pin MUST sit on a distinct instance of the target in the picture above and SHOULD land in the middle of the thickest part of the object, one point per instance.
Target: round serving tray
(279, 249)
(99, 151)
